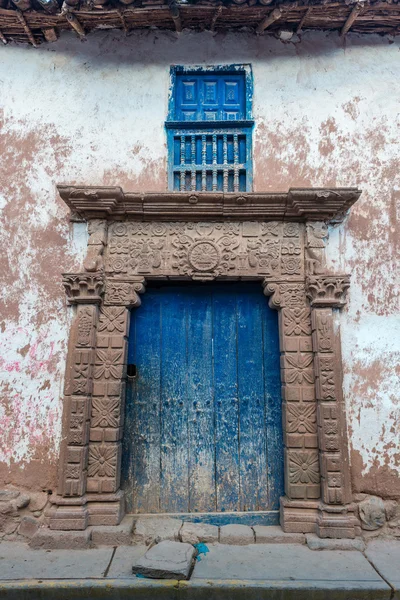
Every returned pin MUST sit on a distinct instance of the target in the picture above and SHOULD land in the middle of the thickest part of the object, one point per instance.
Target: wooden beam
(50, 34)
(2, 38)
(268, 20)
(26, 27)
(351, 18)
(176, 17)
(215, 18)
(73, 21)
(122, 19)
(303, 19)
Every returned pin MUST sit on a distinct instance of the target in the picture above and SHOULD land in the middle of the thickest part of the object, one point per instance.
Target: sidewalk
(254, 572)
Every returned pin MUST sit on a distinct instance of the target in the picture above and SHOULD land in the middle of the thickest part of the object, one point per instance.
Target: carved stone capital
(284, 293)
(84, 288)
(327, 290)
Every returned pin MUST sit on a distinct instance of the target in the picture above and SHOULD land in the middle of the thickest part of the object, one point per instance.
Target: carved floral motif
(303, 467)
(105, 412)
(103, 460)
(297, 321)
(301, 418)
(205, 250)
(112, 319)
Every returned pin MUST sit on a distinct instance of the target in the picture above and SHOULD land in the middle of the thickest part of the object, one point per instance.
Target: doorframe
(318, 496)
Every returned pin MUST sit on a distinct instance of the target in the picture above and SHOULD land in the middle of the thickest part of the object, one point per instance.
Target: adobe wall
(326, 115)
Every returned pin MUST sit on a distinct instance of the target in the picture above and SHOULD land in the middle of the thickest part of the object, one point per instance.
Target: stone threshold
(145, 531)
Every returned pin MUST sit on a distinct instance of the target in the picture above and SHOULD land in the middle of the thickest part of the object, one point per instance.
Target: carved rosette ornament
(278, 239)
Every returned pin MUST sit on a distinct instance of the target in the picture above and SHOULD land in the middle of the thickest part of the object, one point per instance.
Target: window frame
(244, 126)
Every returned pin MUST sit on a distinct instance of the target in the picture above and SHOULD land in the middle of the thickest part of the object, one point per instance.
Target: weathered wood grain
(203, 425)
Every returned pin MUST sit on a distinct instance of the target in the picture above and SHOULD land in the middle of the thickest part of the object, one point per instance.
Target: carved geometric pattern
(299, 368)
(297, 321)
(105, 412)
(301, 418)
(112, 319)
(204, 251)
(331, 441)
(322, 330)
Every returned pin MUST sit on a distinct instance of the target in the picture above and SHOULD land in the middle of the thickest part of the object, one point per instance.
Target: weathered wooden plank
(226, 401)
(174, 423)
(129, 424)
(146, 406)
(273, 402)
(253, 460)
(200, 399)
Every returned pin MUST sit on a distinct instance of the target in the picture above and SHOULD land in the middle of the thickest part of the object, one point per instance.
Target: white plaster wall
(326, 114)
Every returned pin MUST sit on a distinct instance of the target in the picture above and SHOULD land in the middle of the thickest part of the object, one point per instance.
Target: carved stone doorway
(277, 239)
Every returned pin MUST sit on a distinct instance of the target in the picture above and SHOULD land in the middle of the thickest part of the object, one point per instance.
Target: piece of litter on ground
(201, 549)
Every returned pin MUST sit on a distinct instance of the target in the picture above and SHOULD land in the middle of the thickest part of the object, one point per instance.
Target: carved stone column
(336, 518)
(299, 410)
(106, 500)
(70, 512)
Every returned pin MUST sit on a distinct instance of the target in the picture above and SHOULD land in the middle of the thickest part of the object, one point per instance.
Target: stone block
(57, 540)
(22, 501)
(7, 495)
(238, 535)
(166, 560)
(275, 535)
(38, 501)
(372, 513)
(193, 533)
(116, 535)
(148, 529)
(7, 508)
(28, 527)
(316, 543)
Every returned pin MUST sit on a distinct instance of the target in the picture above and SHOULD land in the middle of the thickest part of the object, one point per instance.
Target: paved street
(270, 571)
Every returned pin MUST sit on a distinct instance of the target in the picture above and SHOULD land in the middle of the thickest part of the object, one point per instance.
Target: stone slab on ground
(18, 561)
(239, 535)
(148, 529)
(285, 562)
(52, 539)
(273, 534)
(316, 543)
(193, 533)
(166, 560)
(385, 556)
(124, 557)
(113, 535)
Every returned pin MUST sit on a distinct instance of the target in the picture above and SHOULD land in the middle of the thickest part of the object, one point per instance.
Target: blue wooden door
(203, 414)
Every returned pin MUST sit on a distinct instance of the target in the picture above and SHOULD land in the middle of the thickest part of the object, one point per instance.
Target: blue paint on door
(203, 426)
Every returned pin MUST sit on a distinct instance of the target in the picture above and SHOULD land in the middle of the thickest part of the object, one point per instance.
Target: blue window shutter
(209, 138)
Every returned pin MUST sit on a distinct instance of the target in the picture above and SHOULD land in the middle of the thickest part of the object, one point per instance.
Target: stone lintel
(298, 204)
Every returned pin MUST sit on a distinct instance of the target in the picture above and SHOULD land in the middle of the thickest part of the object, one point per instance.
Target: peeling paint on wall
(325, 115)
